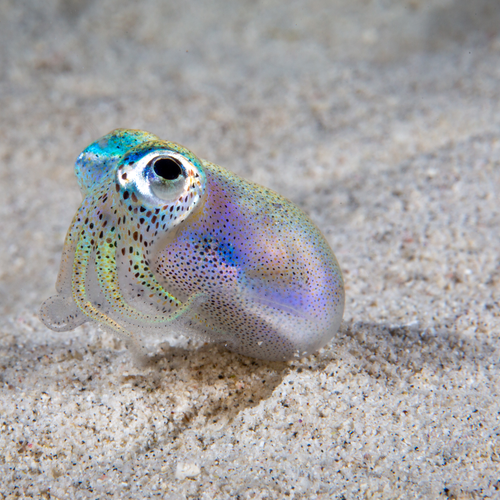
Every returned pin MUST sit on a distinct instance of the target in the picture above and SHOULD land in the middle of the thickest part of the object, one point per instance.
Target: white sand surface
(379, 119)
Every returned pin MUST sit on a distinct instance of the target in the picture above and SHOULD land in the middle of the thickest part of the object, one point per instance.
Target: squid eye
(167, 177)
(167, 168)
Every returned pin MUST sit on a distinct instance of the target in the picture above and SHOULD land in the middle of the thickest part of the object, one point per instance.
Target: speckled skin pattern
(164, 241)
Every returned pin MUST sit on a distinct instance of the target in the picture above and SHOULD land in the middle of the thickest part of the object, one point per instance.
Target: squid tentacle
(104, 260)
(83, 253)
(63, 283)
(106, 267)
(60, 312)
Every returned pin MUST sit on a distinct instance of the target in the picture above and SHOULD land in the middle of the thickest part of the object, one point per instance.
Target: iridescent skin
(164, 241)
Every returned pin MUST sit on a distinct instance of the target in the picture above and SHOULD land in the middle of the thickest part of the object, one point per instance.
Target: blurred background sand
(381, 120)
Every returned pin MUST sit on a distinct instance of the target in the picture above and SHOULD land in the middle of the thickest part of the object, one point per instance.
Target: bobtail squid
(165, 242)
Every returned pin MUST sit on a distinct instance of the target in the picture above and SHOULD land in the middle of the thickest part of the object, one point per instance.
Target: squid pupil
(167, 168)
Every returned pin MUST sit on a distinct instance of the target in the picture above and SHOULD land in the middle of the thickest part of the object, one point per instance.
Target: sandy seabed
(382, 121)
